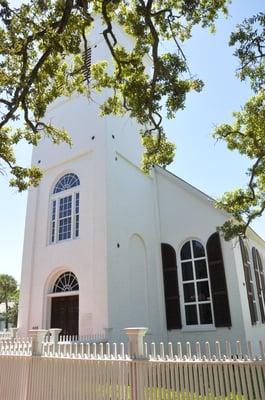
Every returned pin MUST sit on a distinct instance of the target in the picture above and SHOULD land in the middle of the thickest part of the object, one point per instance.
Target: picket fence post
(37, 337)
(55, 332)
(136, 351)
(136, 341)
(13, 332)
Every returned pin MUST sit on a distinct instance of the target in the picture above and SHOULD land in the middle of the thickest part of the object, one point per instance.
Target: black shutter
(221, 308)
(249, 286)
(259, 275)
(262, 277)
(171, 289)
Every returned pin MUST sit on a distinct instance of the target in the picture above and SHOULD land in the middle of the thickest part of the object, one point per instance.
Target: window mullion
(195, 284)
(196, 292)
(210, 289)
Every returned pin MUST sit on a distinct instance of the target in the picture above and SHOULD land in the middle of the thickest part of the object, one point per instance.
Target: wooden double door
(65, 314)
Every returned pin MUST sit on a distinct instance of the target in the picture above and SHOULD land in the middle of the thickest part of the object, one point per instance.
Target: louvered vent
(87, 64)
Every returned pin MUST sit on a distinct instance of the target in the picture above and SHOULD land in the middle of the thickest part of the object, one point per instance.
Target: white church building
(107, 247)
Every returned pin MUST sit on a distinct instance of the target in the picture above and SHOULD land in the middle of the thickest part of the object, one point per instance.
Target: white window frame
(259, 275)
(199, 326)
(57, 197)
(253, 282)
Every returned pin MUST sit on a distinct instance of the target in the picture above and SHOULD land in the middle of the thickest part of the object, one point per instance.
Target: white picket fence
(104, 371)
(5, 335)
(92, 338)
(16, 346)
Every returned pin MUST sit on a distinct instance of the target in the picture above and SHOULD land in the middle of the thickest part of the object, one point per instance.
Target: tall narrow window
(195, 283)
(65, 209)
(249, 283)
(53, 221)
(77, 214)
(65, 217)
(260, 281)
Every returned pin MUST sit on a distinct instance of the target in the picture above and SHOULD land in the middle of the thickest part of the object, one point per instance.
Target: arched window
(260, 281)
(67, 282)
(249, 282)
(197, 299)
(65, 204)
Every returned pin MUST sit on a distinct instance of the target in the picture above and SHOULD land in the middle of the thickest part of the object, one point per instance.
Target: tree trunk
(6, 316)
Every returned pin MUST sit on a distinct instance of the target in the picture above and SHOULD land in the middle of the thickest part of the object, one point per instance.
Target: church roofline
(202, 195)
(186, 185)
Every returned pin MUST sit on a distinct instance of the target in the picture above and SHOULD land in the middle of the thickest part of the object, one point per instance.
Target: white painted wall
(84, 256)
(132, 213)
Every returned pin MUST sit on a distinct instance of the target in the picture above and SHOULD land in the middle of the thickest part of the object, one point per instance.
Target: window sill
(198, 329)
(63, 241)
(258, 325)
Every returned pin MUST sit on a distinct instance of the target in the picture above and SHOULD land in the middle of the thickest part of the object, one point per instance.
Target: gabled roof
(185, 185)
(200, 194)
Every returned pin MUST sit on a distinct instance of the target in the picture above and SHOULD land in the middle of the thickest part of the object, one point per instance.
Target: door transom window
(67, 282)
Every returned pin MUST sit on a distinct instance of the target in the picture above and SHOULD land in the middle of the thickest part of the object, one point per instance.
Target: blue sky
(199, 159)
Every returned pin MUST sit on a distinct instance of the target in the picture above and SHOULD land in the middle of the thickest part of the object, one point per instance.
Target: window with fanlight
(196, 291)
(65, 209)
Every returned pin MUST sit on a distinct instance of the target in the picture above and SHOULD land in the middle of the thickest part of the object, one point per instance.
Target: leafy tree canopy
(9, 292)
(38, 39)
(247, 132)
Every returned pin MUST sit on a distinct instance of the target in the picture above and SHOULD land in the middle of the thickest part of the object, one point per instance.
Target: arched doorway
(65, 304)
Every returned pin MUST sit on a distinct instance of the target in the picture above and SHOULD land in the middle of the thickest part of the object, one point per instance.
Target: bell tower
(66, 222)
(90, 222)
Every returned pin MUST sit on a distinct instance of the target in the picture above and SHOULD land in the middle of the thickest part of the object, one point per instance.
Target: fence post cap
(55, 331)
(37, 332)
(136, 331)
(136, 344)
(37, 336)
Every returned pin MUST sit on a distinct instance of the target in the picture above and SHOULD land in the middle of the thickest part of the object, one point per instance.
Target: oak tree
(246, 134)
(41, 60)
(9, 296)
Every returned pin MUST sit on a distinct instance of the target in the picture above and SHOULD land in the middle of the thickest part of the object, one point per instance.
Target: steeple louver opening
(87, 64)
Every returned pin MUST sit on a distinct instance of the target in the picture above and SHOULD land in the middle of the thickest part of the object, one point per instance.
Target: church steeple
(67, 230)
